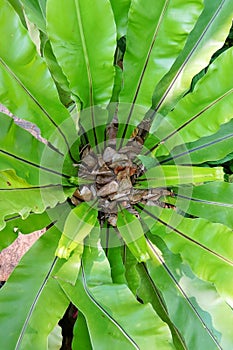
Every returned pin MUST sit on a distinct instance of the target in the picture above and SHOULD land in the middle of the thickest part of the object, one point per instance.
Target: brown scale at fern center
(110, 178)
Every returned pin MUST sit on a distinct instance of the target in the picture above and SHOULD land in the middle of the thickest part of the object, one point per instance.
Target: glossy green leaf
(81, 339)
(18, 8)
(116, 88)
(97, 268)
(108, 302)
(146, 61)
(130, 284)
(9, 180)
(212, 305)
(34, 269)
(70, 269)
(168, 175)
(102, 334)
(131, 273)
(10, 232)
(193, 238)
(147, 161)
(58, 76)
(20, 93)
(78, 225)
(149, 293)
(132, 232)
(209, 148)
(115, 258)
(36, 12)
(212, 201)
(54, 68)
(201, 112)
(120, 302)
(114, 248)
(47, 313)
(70, 27)
(120, 10)
(109, 237)
(32, 198)
(93, 121)
(15, 224)
(33, 160)
(197, 330)
(112, 299)
(207, 37)
(202, 299)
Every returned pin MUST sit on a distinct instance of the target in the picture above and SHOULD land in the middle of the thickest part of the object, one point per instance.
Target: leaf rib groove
(104, 311)
(144, 70)
(219, 256)
(33, 164)
(162, 304)
(192, 119)
(18, 344)
(169, 272)
(227, 205)
(188, 57)
(197, 148)
(30, 188)
(88, 69)
(39, 105)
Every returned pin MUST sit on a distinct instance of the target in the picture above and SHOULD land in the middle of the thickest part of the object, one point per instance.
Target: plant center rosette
(109, 177)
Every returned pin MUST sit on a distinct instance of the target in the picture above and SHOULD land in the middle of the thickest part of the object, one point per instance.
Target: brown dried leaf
(108, 154)
(86, 193)
(112, 220)
(89, 161)
(108, 189)
(104, 179)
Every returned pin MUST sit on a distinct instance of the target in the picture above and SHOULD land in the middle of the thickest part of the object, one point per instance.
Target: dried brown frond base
(110, 176)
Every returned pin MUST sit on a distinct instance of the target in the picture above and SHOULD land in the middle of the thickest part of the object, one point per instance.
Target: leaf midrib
(183, 293)
(209, 106)
(204, 201)
(31, 188)
(88, 67)
(145, 65)
(162, 304)
(198, 148)
(189, 56)
(47, 115)
(97, 304)
(34, 164)
(38, 294)
(192, 240)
